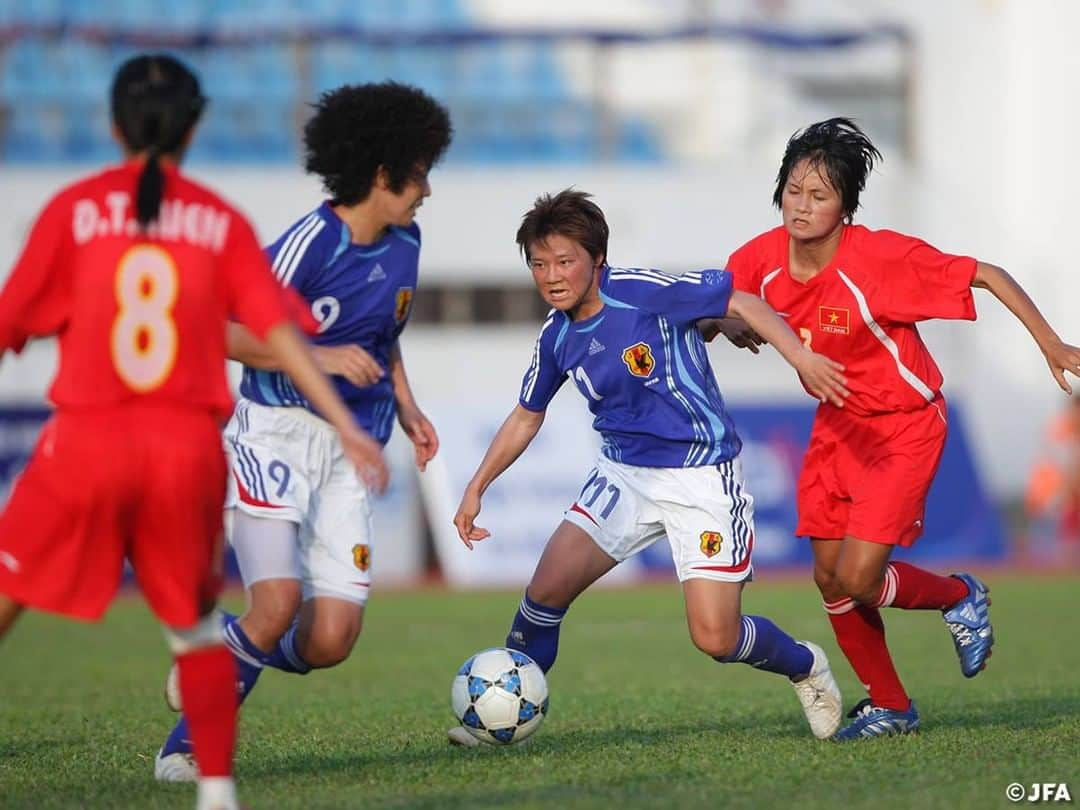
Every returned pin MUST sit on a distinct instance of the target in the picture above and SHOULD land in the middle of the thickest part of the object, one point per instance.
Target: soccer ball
(500, 696)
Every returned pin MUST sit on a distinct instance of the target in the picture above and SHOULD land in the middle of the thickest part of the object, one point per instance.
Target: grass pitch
(639, 719)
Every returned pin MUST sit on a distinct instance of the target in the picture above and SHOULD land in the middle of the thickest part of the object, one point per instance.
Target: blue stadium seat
(338, 62)
(510, 101)
(430, 67)
(32, 12)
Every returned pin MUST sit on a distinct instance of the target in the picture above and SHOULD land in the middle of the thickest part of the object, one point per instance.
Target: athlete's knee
(330, 639)
(715, 639)
(273, 609)
(550, 592)
(828, 583)
(861, 584)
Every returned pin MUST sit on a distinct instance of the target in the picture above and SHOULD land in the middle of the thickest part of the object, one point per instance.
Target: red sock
(208, 689)
(914, 588)
(861, 635)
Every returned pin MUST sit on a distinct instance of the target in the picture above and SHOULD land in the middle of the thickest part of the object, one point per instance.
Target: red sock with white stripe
(208, 690)
(912, 588)
(861, 636)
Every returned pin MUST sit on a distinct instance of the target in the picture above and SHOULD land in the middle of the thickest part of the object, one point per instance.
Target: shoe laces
(863, 708)
(962, 633)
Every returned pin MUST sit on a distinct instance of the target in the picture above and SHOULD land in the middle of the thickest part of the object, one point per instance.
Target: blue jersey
(641, 365)
(360, 294)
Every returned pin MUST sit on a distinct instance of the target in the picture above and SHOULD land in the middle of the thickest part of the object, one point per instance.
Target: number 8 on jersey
(144, 338)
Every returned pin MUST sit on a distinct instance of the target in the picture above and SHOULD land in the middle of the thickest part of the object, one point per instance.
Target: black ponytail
(151, 189)
(156, 100)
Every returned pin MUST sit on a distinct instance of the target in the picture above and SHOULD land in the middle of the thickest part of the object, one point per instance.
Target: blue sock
(286, 655)
(249, 665)
(535, 632)
(765, 646)
(178, 741)
(249, 658)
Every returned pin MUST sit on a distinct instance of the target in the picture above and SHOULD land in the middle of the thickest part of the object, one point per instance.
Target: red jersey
(139, 315)
(862, 308)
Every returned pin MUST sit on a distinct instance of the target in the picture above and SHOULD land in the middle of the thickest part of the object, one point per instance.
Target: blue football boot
(969, 622)
(875, 721)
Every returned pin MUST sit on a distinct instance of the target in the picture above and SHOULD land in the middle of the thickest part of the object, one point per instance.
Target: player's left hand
(823, 377)
(1062, 357)
(422, 434)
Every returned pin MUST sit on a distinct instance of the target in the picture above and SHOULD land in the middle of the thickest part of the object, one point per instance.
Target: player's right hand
(463, 520)
(366, 456)
(349, 361)
(823, 377)
(736, 330)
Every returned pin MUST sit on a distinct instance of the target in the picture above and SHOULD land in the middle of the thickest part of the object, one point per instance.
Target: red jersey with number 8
(139, 314)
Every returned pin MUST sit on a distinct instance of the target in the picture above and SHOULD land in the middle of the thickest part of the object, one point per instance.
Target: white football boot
(819, 695)
(176, 768)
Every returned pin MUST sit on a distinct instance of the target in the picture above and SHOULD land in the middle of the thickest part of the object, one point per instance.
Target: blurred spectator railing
(692, 92)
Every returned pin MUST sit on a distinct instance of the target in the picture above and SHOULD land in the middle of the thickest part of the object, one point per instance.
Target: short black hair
(570, 213)
(358, 128)
(844, 151)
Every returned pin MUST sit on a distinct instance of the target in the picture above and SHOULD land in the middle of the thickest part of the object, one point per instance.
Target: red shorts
(868, 476)
(145, 483)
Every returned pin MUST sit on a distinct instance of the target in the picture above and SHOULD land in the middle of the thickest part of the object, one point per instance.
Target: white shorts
(287, 464)
(706, 513)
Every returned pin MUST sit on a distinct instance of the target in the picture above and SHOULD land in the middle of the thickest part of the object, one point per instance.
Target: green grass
(638, 719)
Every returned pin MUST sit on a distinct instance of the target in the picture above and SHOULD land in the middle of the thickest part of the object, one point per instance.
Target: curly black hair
(844, 151)
(358, 128)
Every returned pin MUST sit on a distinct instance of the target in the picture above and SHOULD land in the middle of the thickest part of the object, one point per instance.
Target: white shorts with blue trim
(287, 464)
(705, 512)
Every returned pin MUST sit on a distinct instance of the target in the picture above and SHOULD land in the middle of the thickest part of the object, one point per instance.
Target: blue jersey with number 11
(641, 365)
(360, 294)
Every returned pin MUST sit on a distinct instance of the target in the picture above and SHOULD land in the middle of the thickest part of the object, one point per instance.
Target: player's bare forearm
(1060, 356)
(822, 376)
(1006, 289)
(293, 356)
(514, 436)
(764, 321)
(242, 345)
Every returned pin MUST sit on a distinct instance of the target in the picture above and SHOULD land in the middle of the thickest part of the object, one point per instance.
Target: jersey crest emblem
(710, 543)
(639, 359)
(361, 556)
(834, 320)
(402, 302)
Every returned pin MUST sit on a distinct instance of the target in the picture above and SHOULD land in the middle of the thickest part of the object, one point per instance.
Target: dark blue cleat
(969, 622)
(875, 721)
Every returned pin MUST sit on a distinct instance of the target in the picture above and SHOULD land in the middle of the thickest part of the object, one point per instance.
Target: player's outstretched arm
(349, 361)
(294, 358)
(412, 420)
(823, 377)
(510, 442)
(1060, 356)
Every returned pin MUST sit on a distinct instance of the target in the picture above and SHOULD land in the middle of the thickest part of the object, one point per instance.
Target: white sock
(217, 793)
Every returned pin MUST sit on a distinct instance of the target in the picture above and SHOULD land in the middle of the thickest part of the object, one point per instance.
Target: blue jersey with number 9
(360, 294)
(641, 365)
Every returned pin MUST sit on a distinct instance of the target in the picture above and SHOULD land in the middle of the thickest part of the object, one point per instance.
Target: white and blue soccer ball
(500, 696)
